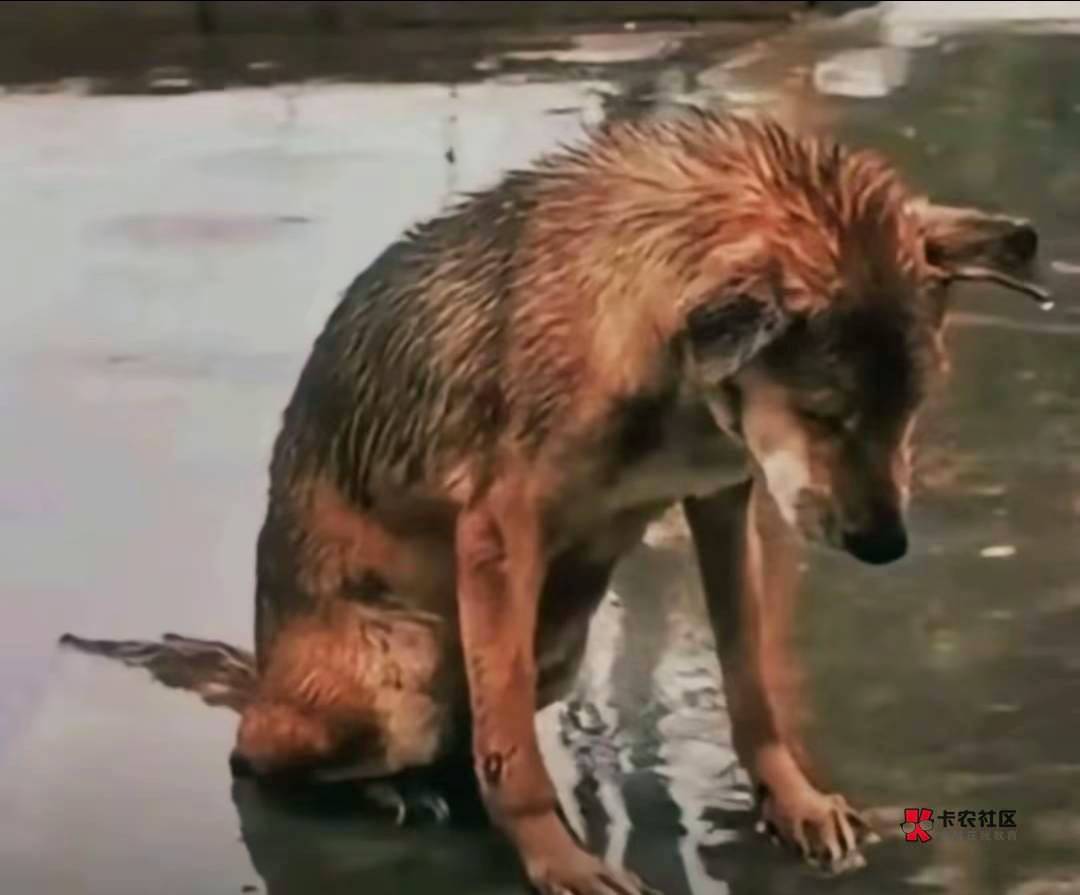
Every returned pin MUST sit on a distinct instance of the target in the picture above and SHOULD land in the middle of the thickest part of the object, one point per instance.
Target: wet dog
(706, 310)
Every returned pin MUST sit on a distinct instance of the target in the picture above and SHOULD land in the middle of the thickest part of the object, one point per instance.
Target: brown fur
(504, 400)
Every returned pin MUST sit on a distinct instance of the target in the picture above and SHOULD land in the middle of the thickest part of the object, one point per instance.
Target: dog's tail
(222, 675)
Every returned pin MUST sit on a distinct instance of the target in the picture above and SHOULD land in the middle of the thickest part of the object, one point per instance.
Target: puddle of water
(906, 24)
(600, 49)
(182, 231)
(175, 257)
(1066, 267)
(862, 73)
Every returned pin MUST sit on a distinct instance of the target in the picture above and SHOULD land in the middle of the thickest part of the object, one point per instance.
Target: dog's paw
(582, 874)
(823, 828)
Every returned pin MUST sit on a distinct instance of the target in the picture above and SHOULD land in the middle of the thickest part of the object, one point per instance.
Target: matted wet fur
(707, 310)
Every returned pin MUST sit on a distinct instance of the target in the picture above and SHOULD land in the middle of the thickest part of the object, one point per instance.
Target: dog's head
(820, 359)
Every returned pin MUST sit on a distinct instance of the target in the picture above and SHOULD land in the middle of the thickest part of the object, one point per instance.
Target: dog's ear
(726, 329)
(968, 244)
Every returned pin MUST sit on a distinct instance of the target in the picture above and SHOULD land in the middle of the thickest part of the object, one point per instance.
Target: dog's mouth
(876, 546)
(815, 522)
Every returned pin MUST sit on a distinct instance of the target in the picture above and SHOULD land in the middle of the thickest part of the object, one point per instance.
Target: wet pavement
(168, 261)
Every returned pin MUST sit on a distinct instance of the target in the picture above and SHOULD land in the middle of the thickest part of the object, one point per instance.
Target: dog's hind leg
(283, 740)
(749, 564)
(352, 697)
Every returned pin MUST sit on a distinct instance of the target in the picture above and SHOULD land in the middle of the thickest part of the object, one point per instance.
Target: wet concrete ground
(168, 261)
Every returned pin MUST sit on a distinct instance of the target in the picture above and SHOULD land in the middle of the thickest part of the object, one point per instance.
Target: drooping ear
(968, 244)
(727, 328)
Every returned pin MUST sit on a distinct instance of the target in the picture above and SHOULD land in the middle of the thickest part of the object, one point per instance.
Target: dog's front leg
(500, 575)
(749, 564)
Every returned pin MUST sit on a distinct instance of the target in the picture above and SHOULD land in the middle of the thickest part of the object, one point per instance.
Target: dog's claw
(405, 806)
(387, 797)
(436, 806)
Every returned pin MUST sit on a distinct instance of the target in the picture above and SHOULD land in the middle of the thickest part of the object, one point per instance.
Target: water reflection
(327, 844)
(862, 73)
(643, 761)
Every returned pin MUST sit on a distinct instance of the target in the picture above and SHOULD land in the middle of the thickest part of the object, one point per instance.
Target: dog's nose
(1022, 241)
(878, 546)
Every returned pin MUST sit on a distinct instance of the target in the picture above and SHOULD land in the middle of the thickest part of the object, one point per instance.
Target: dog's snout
(877, 546)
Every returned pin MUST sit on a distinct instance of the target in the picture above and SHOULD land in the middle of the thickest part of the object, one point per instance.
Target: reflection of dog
(505, 399)
(294, 848)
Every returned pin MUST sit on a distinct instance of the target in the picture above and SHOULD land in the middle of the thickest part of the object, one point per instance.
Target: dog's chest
(655, 454)
(668, 453)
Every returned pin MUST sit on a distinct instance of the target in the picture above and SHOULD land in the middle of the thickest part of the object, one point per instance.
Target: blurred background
(186, 189)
